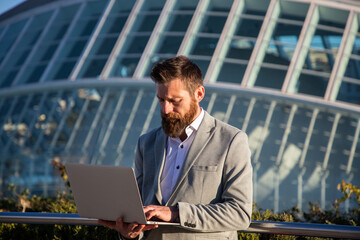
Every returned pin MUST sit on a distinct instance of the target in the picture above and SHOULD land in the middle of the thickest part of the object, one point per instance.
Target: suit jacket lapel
(160, 153)
(201, 139)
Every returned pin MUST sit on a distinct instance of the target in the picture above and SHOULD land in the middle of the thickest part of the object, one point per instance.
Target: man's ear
(199, 93)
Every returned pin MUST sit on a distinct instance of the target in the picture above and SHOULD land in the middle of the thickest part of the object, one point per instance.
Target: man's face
(178, 107)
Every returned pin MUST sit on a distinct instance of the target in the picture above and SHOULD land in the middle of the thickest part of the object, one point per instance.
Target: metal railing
(270, 227)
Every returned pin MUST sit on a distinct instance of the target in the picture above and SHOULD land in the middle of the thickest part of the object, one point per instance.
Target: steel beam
(264, 130)
(62, 45)
(353, 148)
(302, 49)
(128, 127)
(342, 58)
(331, 140)
(193, 28)
(123, 36)
(111, 125)
(308, 137)
(161, 23)
(95, 122)
(262, 44)
(286, 134)
(223, 45)
(20, 37)
(35, 48)
(81, 60)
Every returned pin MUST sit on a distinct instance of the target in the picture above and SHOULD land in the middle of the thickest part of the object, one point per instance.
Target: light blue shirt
(176, 153)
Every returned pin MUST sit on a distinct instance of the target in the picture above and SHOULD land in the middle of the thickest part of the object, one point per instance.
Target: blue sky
(8, 4)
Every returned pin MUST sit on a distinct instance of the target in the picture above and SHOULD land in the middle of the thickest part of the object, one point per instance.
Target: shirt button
(182, 146)
(177, 167)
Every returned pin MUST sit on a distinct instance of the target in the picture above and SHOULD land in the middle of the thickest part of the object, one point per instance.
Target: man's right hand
(127, 230)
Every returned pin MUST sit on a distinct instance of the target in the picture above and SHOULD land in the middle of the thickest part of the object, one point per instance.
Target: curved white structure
(74, 86)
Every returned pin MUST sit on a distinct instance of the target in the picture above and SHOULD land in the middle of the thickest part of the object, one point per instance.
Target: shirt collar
(196, 123)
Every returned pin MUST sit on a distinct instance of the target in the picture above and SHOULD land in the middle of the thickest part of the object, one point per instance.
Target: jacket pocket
(205, 168)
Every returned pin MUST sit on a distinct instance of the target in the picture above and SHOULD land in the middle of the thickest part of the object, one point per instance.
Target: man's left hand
(166, 214)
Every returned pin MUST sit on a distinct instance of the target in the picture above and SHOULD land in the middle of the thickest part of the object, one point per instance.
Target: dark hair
(178, 67)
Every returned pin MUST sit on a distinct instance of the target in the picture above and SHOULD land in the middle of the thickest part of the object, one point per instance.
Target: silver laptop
(107, 192)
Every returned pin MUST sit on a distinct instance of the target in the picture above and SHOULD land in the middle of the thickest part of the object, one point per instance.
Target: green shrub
(63, 203)
(315, 214)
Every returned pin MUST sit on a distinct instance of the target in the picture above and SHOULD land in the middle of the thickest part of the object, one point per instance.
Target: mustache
(170, 116)
(172, 124)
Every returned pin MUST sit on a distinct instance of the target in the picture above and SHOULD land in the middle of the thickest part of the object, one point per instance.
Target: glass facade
(75, 87)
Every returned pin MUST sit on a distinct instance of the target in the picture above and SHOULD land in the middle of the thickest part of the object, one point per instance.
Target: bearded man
(195, 169)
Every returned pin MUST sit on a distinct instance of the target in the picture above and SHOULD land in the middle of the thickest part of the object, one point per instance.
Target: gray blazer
(214, 189)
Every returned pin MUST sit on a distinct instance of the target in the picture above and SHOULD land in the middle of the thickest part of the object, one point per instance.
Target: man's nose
(167, 107)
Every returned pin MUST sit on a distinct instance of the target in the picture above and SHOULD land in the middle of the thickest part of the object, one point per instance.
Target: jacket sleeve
(233, 211)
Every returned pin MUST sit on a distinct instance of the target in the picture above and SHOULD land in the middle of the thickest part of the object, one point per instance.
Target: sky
(6, 5)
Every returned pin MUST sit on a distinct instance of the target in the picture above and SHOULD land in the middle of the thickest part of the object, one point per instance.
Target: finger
(136, 231)
(148, 227)
(119, 221)
(125, 228)
(122, 227)
(132, 227)
(139, 228)
(149, 208)
(149, 214)
(132, 235)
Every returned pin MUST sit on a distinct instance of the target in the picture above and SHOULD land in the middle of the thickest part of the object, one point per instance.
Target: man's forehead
(171, 85)
(172, 93)
(171, 81)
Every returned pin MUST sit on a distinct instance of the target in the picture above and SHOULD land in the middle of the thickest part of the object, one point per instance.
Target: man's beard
(173, 124)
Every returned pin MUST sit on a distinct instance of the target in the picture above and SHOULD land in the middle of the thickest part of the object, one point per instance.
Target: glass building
(75, 87)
